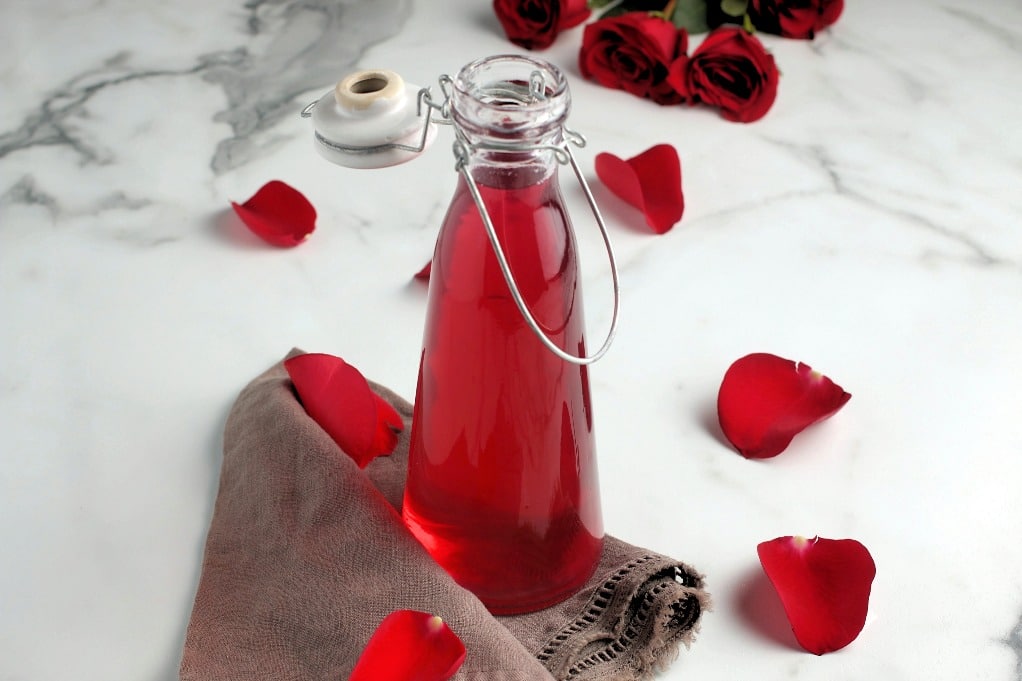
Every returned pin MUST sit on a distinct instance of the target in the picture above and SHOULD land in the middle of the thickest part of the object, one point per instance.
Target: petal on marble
(410, 646)
(824, 586)
(765, 401)
(278, 214)
(339, 399)
(650, 182)
(423, 274)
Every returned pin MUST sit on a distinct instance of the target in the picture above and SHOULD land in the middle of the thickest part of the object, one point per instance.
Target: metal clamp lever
(563, 155)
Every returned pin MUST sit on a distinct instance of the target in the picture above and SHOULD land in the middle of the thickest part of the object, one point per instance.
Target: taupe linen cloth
(306, 554)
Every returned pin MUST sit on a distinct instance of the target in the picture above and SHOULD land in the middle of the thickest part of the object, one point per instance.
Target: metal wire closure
(423, 100)
(563, 155)
(462, 152)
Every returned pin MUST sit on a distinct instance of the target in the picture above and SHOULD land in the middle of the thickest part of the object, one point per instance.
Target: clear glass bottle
(502, 483)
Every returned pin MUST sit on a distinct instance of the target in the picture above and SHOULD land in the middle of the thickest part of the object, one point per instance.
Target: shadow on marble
(616, 213)
(759, 608)
(711, 424)
(214, 457)
(227, 228)
(415, 290)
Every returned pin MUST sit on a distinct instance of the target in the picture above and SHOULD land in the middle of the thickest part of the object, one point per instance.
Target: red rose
(733, 71)
(534, 24)
(634, 52)
(794, 18)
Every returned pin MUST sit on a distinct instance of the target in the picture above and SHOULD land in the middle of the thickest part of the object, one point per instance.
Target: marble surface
(870, 225)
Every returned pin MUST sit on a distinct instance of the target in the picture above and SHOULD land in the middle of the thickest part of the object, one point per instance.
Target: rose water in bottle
(502, 484)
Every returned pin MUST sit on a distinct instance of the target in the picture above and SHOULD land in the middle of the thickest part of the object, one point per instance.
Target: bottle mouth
(510, 95)
(511, 80)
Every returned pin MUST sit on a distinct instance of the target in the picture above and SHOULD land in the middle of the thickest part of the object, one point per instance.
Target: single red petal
(278, 214)
(765, 400)
(650, 181)
(677, 77)
(423, 274)
(830, 11)
(339, 399)
(824, 585)
(410, 646)
(389, 424)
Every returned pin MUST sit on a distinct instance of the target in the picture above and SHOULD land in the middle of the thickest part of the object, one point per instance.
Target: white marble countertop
(870, 225)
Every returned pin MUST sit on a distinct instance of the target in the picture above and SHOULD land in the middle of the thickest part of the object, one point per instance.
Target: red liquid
(502, 483)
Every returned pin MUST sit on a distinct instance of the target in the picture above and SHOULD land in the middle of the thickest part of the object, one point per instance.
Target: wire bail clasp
(350, 132)
(562, 153)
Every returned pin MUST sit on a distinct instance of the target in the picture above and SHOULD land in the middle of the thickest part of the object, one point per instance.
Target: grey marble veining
(1011, 40)
(870, 225)
(25, 191)
(311, 42)
(50, 123)
(288, 47)
(1014, 641)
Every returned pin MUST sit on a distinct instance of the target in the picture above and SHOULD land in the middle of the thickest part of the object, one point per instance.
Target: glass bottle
(502, 482)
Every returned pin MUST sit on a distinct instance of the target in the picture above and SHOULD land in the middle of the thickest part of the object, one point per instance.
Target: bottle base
(504, 607)
(514, 574)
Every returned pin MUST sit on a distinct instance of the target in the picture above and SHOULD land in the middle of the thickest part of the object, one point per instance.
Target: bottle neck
(509, 112)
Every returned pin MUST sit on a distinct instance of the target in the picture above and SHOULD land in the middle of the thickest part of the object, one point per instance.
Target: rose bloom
(534, 24)
(794, 18)
(634, 52)
(731, 70)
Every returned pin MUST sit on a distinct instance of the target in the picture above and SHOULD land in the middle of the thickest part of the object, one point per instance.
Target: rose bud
(730, 70)
(794, 18)
(534, 24)
(634, 52)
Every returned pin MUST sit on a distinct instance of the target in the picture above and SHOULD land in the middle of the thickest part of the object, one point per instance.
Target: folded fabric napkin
(307, 553)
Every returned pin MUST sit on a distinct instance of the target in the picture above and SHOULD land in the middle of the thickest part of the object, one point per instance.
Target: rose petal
(824, 585)
(532, 24)
(410, 646)
(423, 274)
(278, 214)
(632, 52)
(388, 425)
(573, 13)
(650, 181)
(764, 401)
(339, 399)
(830, 12)
(732, 70)
(794, 20)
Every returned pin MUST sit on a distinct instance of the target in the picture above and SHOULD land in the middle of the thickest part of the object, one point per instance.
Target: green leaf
(747, 24)
(615, 11)
(691, 16)
(599, 4)
(734, 8)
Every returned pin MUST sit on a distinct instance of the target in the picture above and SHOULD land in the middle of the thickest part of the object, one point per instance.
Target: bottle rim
(509, 95)
(466, 82)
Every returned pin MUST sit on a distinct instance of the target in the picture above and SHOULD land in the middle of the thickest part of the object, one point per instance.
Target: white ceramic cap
(365, 113)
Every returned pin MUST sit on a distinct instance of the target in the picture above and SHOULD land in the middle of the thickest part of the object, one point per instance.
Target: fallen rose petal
(423, 274)
(339, 399)
(830, 12)
(650, 181)
(410, 646)
(764, 401)
(824, 585)
(389, 424)
(278, 214)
